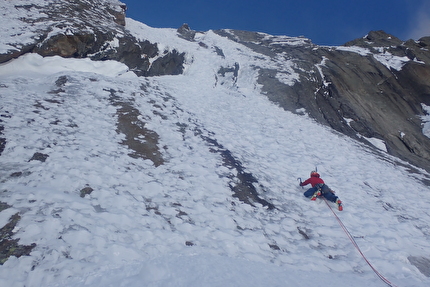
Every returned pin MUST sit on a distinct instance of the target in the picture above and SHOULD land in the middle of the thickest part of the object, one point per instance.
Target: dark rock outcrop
(39, 156)
(422, 263)
(86, 191)
(170, 64)
(90, 29)
(141, 140)
(185, 32)
(9, 245)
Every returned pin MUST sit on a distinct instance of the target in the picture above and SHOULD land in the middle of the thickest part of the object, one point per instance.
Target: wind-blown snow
(377, 143)
(354, 49)
(177, 224)
(34, 65)
(384, 57)
(391, 61)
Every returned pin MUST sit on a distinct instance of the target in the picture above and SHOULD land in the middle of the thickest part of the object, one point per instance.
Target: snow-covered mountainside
(374, 89)
(191, 178)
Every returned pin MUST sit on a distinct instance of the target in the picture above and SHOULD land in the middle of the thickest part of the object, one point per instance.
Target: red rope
(357, 247)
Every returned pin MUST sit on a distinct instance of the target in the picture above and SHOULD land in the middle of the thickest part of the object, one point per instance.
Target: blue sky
(330, 22)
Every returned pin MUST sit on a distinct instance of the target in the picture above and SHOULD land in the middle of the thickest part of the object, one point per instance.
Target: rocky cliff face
(79, 29)
(370, 88)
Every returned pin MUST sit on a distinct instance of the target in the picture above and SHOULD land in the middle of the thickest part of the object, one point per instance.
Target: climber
(320, 188)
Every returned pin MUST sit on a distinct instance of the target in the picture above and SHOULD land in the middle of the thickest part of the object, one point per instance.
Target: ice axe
(300, 179)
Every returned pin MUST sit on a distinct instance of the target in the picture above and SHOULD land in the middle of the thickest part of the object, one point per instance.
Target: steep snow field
(177, 224)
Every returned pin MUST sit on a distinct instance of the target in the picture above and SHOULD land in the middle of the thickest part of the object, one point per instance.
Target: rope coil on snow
(385, 280)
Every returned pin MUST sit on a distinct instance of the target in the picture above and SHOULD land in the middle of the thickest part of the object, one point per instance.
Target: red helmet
(315, 174)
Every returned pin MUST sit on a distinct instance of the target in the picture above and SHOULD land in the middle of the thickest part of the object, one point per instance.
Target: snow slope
(177, 224)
